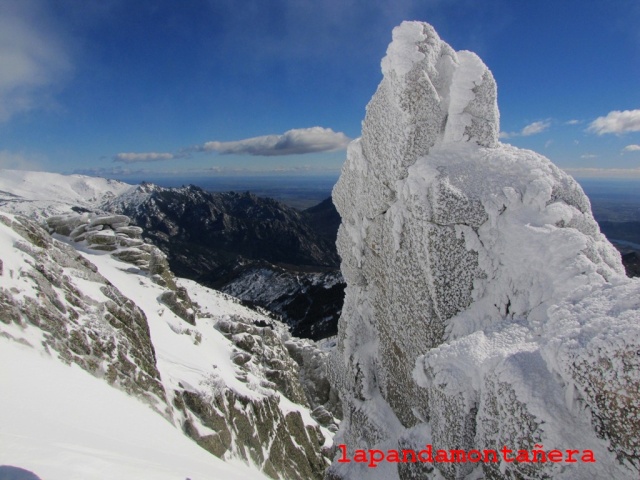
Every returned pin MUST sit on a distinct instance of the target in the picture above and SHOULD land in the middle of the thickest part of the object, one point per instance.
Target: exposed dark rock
(325, 220)
(180, 304)
(219, 239)
(631, 262)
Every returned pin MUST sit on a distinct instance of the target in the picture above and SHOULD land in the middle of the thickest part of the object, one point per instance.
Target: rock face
(483, 308)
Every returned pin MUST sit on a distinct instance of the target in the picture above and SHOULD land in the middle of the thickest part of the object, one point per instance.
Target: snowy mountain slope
(62, 423)
(217, 371)
(484, 308)
(53, 299)
(43, 194)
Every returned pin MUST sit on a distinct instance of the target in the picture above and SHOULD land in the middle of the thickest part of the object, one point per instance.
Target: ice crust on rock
(483, 305)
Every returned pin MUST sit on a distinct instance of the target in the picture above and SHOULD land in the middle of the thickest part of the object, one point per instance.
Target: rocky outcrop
(284, 442)
(104, 332)
(483, 307)
(113, 233)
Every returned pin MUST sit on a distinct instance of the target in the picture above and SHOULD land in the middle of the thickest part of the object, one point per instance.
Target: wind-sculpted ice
(484, 308)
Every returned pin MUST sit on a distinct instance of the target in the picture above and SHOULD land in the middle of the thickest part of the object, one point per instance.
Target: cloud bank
(297, 141)
(616, 122)
(604, 172)
(142, 157)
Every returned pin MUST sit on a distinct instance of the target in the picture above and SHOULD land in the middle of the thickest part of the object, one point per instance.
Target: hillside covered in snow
(484, 309)
(114, 368)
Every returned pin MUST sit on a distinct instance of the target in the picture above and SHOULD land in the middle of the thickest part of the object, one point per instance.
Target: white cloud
(588, 155)
(616, 122)
(573, 122)
(33, 58)
(297, 141)
(142, 157)
(631, 148)
(535, 128)
(531, 129)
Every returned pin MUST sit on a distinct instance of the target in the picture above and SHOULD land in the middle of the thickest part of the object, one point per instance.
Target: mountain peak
(430, 89)
(477, 284)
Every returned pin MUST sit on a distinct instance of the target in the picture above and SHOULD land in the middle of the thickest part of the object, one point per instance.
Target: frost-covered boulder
(484, 308)
(112, 233)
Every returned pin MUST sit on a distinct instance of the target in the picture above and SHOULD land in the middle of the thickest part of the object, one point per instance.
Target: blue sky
(233, 87)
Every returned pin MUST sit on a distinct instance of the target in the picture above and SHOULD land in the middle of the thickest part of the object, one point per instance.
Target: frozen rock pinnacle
(484, 308)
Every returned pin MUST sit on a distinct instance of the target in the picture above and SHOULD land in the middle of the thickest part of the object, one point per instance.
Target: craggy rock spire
(484, 308)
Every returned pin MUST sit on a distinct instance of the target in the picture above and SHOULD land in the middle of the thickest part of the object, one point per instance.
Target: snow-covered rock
(484, 308)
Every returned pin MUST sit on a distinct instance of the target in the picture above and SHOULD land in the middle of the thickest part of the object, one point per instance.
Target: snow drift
(484, 308)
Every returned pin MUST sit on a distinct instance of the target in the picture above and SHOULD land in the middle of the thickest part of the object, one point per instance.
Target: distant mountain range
(259, 250)
(234, 241)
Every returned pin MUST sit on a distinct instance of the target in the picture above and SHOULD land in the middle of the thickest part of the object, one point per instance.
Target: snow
(14, 264)
(213, 301)
(403, 52)
(43, 194)
(468, 74)
(178, 358)
(181, 360)
(58, 422)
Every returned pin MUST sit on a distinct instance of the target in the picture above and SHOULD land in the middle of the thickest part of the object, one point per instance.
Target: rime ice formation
(484, 308)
